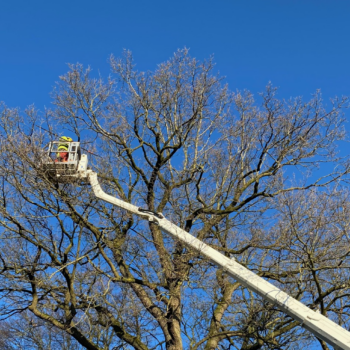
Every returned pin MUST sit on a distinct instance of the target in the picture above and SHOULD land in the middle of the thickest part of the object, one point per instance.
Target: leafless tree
(260, 181)
(26, 332)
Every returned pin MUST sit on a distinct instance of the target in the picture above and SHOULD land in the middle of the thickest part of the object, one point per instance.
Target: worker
(63, 148)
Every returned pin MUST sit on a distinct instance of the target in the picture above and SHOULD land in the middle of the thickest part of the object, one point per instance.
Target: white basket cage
(53, 164)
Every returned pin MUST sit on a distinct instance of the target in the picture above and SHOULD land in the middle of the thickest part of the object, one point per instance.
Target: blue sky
(299, 46)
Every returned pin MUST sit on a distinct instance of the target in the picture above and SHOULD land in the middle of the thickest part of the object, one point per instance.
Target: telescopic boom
(319, 325)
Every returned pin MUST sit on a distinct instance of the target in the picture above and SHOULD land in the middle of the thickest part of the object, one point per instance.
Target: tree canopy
(257, 178)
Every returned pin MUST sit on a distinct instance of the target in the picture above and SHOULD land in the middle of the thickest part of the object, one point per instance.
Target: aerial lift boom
(319, 325)
(316, 323)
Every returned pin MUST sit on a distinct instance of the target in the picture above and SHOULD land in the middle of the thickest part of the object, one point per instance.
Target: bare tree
(239, 175)
(25, 332)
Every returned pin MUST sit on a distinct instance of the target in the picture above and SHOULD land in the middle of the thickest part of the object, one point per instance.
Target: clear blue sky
(298, 45)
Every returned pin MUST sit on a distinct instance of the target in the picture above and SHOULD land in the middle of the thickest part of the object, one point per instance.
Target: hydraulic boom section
(316, 323)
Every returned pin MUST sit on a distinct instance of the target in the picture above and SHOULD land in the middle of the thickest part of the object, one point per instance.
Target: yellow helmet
(66, 139)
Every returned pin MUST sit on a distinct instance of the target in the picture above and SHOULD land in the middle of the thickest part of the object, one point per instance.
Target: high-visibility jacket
(63, 147)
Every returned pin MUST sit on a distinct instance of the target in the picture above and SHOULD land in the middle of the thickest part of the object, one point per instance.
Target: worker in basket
(63, 148)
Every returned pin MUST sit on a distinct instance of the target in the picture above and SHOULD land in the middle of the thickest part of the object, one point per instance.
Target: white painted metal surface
(82, 165)
(316, 323)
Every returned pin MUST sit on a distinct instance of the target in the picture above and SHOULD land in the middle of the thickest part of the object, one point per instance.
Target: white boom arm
(316, 323)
